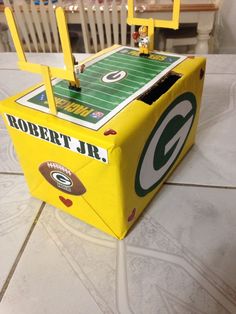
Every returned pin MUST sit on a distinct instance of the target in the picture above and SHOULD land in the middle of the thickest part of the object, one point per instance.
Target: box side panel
(158, 142)
(81, 177)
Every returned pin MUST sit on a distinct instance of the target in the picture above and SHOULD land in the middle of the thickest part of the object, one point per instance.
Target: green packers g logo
(165, 143)
(114, 76)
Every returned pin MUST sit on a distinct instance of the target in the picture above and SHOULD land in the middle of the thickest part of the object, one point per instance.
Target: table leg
(2, 49)
(2, 46)
(4, 39)
(205, 26)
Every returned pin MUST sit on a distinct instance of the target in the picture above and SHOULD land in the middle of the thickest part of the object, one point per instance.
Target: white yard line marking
(101, 67)
(85, 87)
(126, 85)
(137, 83)
(133, 80)
(126, 67)
(121, 61)
(88, 69)
(118, 90)
(83, 102)
(74, 91)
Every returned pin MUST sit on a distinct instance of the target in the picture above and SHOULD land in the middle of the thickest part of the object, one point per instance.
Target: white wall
(226, 33)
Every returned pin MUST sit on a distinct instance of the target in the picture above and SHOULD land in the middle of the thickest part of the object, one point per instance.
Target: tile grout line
(12, 173)
(218, 73)
(10, 69)
(22, 249)
(202, 185)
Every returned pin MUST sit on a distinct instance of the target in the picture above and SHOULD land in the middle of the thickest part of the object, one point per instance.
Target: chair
(4, 40)
(37, 26)
(181, 40)
(101, 25)
(104, 24)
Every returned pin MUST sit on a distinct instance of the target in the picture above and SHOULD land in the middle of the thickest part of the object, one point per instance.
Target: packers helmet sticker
(165, 143)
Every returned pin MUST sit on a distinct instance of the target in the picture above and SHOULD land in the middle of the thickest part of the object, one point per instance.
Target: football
(61, 178)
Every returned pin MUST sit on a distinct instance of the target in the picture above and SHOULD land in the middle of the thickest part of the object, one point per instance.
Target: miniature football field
(108, 84)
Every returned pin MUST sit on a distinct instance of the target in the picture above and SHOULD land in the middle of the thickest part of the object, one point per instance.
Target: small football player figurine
(76, 85)
(141, 37)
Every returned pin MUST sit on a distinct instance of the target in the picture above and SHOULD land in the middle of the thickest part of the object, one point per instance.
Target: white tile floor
(179, 258)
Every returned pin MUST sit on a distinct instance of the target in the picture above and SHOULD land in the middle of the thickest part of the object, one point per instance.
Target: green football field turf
(107, 96)
(100, 93)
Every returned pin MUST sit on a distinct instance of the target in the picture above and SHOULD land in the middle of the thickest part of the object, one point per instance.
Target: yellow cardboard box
(106, 164)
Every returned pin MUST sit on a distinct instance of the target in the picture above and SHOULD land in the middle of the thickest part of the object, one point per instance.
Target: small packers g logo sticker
(165, 143)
